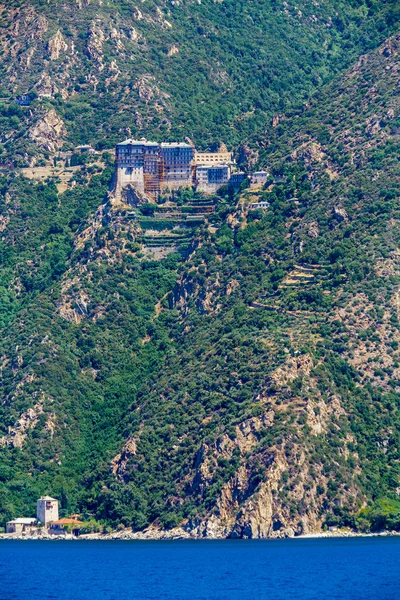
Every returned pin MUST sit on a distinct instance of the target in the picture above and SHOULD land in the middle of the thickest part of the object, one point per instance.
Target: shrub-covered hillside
(211, 71)
(249, 390)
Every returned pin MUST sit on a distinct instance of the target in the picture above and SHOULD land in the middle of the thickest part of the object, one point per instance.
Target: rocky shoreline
(181, 534)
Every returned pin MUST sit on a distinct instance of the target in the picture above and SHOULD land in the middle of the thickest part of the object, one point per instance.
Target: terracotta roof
(66, 521)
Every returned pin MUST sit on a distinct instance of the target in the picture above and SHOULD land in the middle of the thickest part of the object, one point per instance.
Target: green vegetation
(139, 390)
(211, 71)
(384, 514)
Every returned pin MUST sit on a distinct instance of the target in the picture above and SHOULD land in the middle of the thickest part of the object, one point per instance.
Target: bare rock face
(231, 287)
(49, 131)
(182, 292)
(41, 27)
(133, 197)
(310, 152)
(25, 59)
(391, 47)
(4, 220)
(133, 35)
(248, 156)
(259, 517)
(249, 505)
(145, 88)
(373, 126)
(56, 46)
(313, 229)
(45, 87)
(340, 214)
(114, 73)
(94, 46)
(173, 50)
(116, 36)
(291, 369)
(204, 295)
(73, 306)
(27, 421)
(276, 119)
(119, 462)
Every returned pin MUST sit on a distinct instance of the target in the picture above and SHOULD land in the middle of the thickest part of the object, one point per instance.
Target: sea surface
(298, 569)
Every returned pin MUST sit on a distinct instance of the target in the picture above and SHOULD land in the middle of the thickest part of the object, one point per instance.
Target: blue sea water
(298, 569)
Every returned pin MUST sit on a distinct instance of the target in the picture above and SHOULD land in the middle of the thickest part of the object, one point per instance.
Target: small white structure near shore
(20, 525)
(47, 509)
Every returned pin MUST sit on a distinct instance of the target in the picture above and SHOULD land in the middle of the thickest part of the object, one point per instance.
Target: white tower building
(47, 509)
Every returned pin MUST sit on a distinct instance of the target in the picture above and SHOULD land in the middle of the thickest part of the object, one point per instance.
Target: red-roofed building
(61, 526)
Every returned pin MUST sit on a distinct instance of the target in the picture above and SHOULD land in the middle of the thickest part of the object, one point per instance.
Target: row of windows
(167, 165)
(163, 151)
(176, 161)
(136, 151)
(177, 154)
(154, 158)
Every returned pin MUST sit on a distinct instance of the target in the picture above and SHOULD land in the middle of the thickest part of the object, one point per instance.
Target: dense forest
(246, 386)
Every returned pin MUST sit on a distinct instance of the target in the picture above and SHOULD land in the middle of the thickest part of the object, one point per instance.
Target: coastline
(347, 534)
(156, 535)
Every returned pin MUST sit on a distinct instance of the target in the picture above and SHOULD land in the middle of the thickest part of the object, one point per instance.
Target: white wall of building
(47, 509)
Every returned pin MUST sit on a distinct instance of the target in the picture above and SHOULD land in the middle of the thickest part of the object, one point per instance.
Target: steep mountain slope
(206, 70)
(251, 390)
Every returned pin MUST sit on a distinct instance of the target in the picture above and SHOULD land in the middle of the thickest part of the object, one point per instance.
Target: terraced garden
(171, 227)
